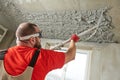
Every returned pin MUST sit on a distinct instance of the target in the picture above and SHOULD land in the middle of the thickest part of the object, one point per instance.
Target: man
(28, 41)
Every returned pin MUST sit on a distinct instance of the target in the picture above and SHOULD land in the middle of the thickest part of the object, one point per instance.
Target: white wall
(105, 62)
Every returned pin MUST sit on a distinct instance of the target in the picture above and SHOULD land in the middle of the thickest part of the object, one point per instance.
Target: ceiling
(60, 18)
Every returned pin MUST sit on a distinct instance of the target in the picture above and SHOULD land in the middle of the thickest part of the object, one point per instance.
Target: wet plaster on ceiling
(59, 24)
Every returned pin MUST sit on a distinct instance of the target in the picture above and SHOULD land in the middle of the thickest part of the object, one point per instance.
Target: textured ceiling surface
(62, 21)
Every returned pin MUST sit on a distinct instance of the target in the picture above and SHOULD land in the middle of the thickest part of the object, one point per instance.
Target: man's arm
(71, 52)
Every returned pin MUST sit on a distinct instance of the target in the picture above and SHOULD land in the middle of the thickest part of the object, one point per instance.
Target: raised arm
(71, 52)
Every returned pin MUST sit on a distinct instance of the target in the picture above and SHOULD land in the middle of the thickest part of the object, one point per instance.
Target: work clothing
(18, 58)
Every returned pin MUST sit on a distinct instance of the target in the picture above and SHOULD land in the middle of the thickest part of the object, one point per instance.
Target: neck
(23, 43)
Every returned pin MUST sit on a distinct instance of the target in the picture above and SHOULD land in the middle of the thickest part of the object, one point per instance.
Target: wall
(105, 63)
(35, 10)
(7, 39)
(10, 17)
(18, 11)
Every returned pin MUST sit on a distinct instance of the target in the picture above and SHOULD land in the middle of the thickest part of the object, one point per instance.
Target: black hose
(2, 54)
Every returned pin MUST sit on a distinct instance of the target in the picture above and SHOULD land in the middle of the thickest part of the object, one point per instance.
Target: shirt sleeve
(47, 61)
(54, 59)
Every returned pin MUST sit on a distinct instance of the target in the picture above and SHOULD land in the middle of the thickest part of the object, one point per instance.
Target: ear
(32, 40)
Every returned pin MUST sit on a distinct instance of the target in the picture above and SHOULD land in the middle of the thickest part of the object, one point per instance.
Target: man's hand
(75, 38)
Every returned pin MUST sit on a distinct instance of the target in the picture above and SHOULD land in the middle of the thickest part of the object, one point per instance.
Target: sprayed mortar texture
(60, 25)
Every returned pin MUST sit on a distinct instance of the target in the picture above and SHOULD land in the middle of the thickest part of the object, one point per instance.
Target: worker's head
(28, 34)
